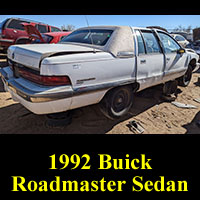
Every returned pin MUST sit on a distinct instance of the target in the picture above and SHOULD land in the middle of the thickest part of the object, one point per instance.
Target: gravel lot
(155, 115)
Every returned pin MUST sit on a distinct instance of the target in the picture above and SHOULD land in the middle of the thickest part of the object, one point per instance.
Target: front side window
(151, 42)
(92, 36)
(169, 45)
(54, 29)
(141, 49)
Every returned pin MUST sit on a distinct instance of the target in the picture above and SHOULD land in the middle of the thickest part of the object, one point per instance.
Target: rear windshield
(92, 36)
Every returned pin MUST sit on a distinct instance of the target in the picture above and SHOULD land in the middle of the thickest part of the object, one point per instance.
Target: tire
(117, 102)
(170, 87)
(184, 80)
(58, 119)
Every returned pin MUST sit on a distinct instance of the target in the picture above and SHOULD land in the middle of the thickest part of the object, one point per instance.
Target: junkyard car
(104, 64)
(36, 37)
(12, 31)
(195, 46)
(180, 39)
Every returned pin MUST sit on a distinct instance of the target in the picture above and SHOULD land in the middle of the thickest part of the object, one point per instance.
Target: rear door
(150, 59)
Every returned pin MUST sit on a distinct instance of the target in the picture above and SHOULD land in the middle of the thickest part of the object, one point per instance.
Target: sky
(166, 21)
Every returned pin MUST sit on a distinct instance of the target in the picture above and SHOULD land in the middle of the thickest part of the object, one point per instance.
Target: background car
(12, 31)
(195, 46)
(180, 39)
(186, 35)
(36, 37)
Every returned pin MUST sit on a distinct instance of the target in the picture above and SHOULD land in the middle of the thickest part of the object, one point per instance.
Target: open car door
(33, 32)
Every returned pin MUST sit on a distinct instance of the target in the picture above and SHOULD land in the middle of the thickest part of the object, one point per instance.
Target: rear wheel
(117, 102)
(186, 78)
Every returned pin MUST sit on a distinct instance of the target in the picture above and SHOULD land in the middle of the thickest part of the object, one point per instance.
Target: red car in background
(12, 31)
(36, 37)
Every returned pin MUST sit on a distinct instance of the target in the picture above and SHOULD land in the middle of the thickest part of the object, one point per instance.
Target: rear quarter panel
(90, 71)
(100, 67)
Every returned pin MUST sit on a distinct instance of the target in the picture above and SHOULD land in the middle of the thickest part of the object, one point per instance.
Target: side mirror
(181, 51)
(125, 54)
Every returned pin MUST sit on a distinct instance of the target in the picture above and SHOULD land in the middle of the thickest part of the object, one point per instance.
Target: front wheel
(186, 78)
(117, 102)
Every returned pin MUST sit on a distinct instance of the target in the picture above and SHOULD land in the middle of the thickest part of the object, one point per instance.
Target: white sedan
(104, 64)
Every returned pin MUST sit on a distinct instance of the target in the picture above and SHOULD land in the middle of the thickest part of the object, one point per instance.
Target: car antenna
(90, 32)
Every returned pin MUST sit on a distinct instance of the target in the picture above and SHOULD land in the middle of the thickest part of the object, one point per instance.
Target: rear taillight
(45, 80)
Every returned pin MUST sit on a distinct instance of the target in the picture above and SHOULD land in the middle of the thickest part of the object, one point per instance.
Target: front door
(150, 59)
(175, 62)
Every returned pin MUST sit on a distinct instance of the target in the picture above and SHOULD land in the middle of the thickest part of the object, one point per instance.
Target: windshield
(89, 36)
(2, 25)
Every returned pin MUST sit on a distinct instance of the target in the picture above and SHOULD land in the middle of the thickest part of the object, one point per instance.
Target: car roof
(27, 20)
(112, 27)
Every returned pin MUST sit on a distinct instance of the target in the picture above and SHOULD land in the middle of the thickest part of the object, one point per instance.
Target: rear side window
(141, 49)
(151, 42)
(16, 24)
(42, 28)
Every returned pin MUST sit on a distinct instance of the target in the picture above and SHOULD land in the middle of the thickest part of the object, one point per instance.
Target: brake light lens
(45, 80)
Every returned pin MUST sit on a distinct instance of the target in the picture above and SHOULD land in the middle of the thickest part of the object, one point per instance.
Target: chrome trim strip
(36, 96)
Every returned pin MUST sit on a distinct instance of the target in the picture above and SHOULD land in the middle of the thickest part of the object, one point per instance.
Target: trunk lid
(31, 55)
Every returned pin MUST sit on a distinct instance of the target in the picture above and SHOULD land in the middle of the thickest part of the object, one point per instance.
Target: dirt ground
(154, 114)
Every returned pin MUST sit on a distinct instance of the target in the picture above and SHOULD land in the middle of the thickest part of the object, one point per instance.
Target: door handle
(167, 60)
(142, 61)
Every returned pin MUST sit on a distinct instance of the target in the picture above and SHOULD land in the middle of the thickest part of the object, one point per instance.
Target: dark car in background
(12, 31)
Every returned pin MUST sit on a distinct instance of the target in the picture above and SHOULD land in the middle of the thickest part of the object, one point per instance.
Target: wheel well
(135, 86)
(193, 64)
(21, 39)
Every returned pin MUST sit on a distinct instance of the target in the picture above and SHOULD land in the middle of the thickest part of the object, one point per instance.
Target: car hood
(32, 55)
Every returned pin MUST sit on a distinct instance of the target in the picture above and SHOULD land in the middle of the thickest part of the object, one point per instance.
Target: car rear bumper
(36, 98)
(5, 43)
